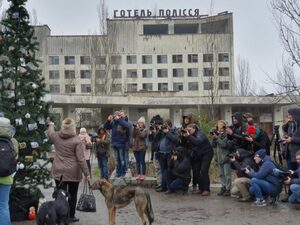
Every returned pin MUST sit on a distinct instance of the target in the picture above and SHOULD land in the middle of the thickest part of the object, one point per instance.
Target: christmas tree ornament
(23, 50)
(22, 61)
(19, 122)
(32, 214)
(30, 65)
(27, 115)
(20, 166)
(41, 121)
(21, 102)
(9, 93)
(34, 144)
(15, 15)
(33, 85)
(32, 126)
(22, 145)
(11, 48)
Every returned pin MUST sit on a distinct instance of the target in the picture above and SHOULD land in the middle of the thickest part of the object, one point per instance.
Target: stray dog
(119, 197)
(54, 212)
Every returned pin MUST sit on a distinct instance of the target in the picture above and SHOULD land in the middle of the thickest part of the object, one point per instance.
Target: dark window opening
(215, 27)
(155, 29)
(186, 28)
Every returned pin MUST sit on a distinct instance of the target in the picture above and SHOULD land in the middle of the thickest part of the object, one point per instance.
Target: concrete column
(226, 113)
(278, 115)
(69, 111)
(176, 114)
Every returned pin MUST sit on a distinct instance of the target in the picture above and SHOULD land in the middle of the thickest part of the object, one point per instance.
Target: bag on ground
(87, 201)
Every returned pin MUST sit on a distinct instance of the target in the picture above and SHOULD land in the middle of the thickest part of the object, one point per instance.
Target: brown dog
(119, 197)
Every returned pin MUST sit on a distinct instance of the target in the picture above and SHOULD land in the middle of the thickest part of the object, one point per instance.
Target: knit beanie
(4, 122)
(68, 124)
(261, 153)
(142, 120)
(82, 130)
(251, 129)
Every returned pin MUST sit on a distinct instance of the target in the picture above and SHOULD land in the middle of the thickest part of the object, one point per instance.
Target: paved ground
(191, 210)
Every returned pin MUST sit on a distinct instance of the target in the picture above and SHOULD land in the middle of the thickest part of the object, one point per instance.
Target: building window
(215, 27)
(100, 60)
(224, 85)
(116, 59)
(86, 88)
(178, 72)
(208, 72)
(69, 60)
(147, 59)
(69, 74)
(53, 74)
(131, 87)
(162, 59)
(192, 58)
(53, 60)
(186, 28)
(132, 74)
(85, 116)
(193, 72)
(162, 86)
(177, 58)
(131, 59)
(162, 73)
(177, 86)
(147, 86)
(155, 29)
(223, 57)
(193, 86)
(54, 88)
(223, 71)
(208, 57)
(208, 85)
(147, 73)
(100, 74)
(116, 74)
(116, 88)
(85, 74)
(70, 88)
(85, 60)
(100, 88)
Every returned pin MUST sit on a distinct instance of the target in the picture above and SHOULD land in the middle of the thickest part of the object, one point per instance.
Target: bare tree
(245, 86)
(287, 17)
(33, 18)
(104, 62)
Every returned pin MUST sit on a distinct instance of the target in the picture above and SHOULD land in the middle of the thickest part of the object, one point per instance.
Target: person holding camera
(240, 160)
(168, 140)
(120, 139)
(139, 147)
(197, 143)
(294, 182)
(263, 182)
(102, 151)
(83, 135)
(178, 176)
(222, 147)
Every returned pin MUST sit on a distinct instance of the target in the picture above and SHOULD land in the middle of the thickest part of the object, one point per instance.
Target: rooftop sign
(147, 13)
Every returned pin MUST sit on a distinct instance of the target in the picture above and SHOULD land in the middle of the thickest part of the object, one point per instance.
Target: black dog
(54, 212)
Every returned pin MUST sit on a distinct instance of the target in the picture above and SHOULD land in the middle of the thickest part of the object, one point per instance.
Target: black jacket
(244, 160)
(181, 167)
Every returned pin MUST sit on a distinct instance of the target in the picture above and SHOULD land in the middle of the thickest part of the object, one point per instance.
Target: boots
(222, 191)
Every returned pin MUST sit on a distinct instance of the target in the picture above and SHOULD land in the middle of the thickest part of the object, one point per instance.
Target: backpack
(280, 172)
(8, 157)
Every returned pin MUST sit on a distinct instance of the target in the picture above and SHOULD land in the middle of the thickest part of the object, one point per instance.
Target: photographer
(263, 182)
(102, 151)
(155, 126)
(256, 142)
(196, 142)
(240, 160)
(222, 147)
(294, 183)
(178, 176)
(168, 140)
(139, 147)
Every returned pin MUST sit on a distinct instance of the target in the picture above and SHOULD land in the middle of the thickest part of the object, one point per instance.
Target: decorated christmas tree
(22, 90)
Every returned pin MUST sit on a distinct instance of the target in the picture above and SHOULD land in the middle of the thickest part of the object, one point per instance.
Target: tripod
(276, 147)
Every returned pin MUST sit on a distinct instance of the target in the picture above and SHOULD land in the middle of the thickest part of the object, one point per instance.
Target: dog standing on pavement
(54, 212)
(119, 197)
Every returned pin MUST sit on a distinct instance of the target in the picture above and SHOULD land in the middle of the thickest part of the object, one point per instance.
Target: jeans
(103, 165)
(72, 189)
(163, 162)
(120, 161)
(225, 175)
(261, 188)
(295, 196)
(140, 162)
(126, 159)
(4, 208)
(175, 183)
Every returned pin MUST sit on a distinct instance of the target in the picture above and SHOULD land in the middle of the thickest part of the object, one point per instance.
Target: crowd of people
(181, 156)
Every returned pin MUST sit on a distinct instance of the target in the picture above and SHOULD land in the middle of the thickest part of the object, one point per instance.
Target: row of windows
(132, 59)
(146, 73)
(133, 87)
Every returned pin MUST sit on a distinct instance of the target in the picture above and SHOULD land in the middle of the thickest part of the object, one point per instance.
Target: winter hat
(4, 122)
(142, 120)
(68, 124)
(261, 153)
(248, 115)
(251, 129)
(82, 130)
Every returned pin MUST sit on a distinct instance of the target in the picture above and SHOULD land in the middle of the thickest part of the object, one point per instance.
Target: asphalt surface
(190, 209)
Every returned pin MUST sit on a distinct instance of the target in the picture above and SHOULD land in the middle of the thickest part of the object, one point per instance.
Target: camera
(134, 125)
(164, 126)
(214, 131)
(232, 155)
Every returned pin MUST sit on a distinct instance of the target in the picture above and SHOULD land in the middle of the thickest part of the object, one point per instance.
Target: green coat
(221, 149)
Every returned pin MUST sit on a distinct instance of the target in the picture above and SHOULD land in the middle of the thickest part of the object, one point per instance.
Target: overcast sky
(255, 35)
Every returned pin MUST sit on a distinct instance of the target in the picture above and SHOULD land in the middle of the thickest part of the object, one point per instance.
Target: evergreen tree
(22, 91)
